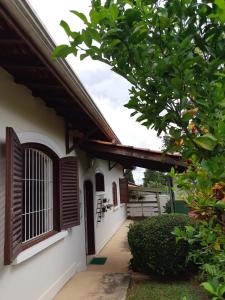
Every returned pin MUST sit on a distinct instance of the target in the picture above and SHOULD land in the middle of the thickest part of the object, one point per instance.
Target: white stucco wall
(42, 275)
(113, 218)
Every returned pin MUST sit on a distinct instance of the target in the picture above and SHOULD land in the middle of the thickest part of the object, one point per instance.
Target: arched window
(40, 175)
(42, 194)
(114, 194)
(99, 182)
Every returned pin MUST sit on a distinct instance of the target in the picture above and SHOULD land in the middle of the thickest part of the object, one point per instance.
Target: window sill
(28, 253)
(115, 208)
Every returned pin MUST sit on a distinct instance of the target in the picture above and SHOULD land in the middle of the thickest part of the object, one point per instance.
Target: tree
(155, 179)
(172, 52)
(129, 175)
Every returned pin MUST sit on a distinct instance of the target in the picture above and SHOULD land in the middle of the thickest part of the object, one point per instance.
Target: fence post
(158, 202)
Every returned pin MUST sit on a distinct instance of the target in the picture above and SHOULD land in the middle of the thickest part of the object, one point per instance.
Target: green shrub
(154, 248)
(168, 207)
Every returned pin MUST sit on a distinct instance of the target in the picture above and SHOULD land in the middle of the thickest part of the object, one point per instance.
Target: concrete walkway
(103, 282)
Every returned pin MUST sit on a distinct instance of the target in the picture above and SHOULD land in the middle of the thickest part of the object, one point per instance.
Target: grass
(148, 290)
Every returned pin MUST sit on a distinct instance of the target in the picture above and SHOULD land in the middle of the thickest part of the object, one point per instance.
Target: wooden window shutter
(14, 196)
(114, 193)
(124, 198)
(69, 192)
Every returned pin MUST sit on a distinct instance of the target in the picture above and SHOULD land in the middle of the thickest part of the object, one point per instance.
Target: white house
(52, 195)
(62, 191)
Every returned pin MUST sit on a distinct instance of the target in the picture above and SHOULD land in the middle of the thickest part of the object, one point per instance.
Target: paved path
(103, 282)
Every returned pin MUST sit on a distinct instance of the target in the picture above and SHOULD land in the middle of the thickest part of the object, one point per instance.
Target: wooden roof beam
(44, 92)
(45, 87)
(11, 41)
(19, 61)
(15, 68)
(7, 34)
(29, 79)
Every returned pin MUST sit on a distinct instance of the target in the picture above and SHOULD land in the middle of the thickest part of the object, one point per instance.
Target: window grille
(37, 216)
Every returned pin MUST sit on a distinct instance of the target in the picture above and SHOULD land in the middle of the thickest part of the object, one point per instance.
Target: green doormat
(98, 261)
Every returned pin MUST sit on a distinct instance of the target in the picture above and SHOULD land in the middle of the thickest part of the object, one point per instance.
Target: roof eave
(30, 24)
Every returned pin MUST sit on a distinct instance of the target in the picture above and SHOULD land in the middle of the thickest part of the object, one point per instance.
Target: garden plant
(172, 52)
(154, 248)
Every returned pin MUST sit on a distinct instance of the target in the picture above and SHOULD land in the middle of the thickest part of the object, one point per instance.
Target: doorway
(89, 217)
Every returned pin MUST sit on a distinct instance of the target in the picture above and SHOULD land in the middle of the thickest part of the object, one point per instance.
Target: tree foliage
(172, 52)
(155, 179)
(129, 175)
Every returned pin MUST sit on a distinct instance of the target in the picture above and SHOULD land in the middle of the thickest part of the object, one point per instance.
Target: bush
(154, 248)
(168, 207)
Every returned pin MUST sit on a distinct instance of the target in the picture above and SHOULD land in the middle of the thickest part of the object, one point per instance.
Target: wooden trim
(123, 186)
(11, 247)
(37, 240)
(42, 148)
(114, 194)
(132, 156)
(8, 202)
(111, 166)
(69, 192)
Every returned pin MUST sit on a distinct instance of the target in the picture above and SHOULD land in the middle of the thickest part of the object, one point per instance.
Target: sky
(109, 90)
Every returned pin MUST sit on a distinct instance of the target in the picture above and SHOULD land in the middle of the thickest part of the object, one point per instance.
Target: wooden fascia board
(132, 153)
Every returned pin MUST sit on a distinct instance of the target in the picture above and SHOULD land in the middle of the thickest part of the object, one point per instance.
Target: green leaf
(114, 11)
(222, 290)
(94, 15)
(172, 172)
(87, 38)
(114, 43)
(208, 287)
(220, 204)
(83, 56)
(220, 4)
(207, 141)
(94, 34)
(132, 15)
(61, 51)
(81, 16)
(66, 27)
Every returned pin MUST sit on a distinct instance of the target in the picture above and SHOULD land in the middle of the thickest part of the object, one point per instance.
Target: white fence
(152, 204)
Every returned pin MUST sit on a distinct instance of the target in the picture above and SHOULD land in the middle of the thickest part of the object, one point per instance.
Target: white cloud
(109, 90)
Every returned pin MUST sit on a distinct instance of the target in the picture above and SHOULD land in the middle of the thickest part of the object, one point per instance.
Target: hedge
(154, 248)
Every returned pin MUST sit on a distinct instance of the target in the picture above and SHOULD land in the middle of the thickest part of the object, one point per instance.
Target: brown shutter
(14, 196)
(124, 198)
(69, 193)
(114, 192)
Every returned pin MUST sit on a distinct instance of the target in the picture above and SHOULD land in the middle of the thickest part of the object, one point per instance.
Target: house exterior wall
(42, 275)
(114, 217)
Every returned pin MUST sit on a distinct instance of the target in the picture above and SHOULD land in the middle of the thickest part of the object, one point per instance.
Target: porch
(109, 281)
